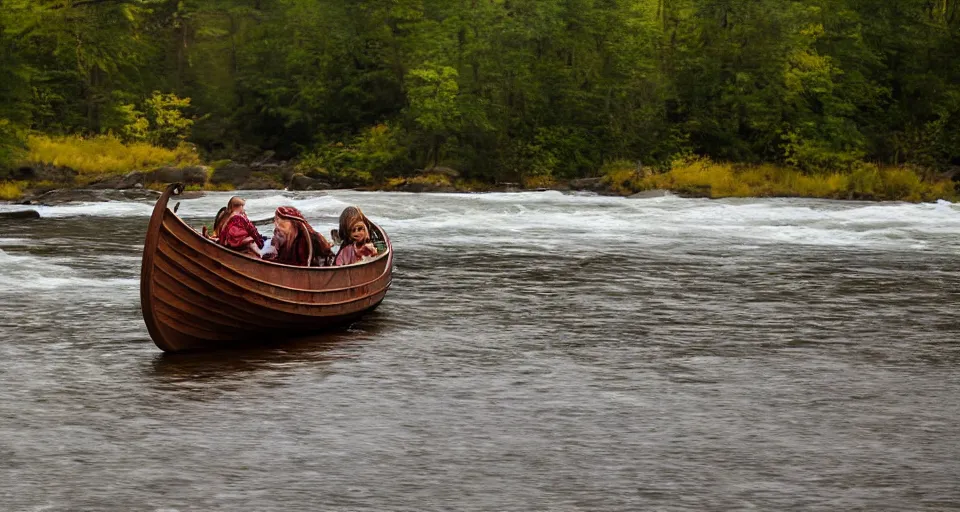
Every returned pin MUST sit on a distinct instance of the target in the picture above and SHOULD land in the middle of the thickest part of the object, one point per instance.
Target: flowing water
(537, 351)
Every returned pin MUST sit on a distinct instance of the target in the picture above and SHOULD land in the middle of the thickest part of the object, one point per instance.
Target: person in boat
(295, 242)
(217, 224)
(235, 230)
(355, 234)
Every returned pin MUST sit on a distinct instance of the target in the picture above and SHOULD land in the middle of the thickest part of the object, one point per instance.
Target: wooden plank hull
(196, 294)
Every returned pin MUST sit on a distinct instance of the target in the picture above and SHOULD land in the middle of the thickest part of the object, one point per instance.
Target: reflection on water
(536, 352)
(312, 350)
(222, 364)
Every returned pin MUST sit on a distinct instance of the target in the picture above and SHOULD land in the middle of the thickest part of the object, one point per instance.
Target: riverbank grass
(11, 190)
(105, 155)
(705, 178)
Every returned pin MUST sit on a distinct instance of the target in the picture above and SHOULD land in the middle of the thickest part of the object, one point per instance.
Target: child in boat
(217, 224)
(355, 233)
(295, 242)
(236, 231)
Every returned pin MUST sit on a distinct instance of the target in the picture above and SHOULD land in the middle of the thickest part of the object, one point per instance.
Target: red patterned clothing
(304, 247)
(238, 232)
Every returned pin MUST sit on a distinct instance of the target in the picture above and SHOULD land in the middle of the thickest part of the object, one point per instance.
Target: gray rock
(61, 196)
(694, 191)
(44, 172)
(425, 187)
(287, 170)
(195, 174)
(301, 182)
(648, 194)
(111, 182)
(232, 173)
(135, 194)
(21, 214)
(282, 170)
(133, 179)
(594, 184)
(164, 175)
(192, 175)
(260, 183)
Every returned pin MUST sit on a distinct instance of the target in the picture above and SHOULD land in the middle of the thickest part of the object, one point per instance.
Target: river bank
(878, 185)
(59, 169)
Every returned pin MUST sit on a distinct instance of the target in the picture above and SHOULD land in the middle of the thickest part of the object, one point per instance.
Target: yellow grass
(542, 181)
(10, 190)
(394, 183)
(105, 154)
(472, 186)
(219, 187)
(437, 180)
(702, 177)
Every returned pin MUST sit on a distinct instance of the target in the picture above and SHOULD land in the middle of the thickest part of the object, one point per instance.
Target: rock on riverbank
(89, 195)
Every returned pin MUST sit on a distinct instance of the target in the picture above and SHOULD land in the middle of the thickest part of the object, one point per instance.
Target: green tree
(433, 106)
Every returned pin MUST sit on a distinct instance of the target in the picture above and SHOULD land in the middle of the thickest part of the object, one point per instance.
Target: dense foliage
(501, 89)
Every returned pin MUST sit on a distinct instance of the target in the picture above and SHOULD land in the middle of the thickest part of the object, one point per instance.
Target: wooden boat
(197, 294)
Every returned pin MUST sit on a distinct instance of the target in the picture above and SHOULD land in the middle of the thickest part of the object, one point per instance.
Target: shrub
(336, 164)
(864, 182)
(901, 184)
(161, 122)
(12, 142)
(539, 181)
(472, 186)
(621, 177)
(369, 157)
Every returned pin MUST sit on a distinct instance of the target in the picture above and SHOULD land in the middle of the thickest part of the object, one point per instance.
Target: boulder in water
(20, 214)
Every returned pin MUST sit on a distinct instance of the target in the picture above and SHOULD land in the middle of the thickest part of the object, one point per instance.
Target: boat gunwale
(253, 277)
(284, 265)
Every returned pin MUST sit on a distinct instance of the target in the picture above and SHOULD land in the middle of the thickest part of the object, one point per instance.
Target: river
(537, 351)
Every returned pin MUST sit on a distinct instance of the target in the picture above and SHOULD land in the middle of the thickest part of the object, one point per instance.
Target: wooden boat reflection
(196, 294)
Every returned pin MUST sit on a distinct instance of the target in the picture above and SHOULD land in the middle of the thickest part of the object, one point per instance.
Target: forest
(526, 91)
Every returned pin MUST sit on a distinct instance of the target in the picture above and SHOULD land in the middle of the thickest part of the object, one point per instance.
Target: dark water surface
(537, 352)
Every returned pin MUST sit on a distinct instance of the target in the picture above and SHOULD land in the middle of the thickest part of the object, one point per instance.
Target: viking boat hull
(196, 294)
